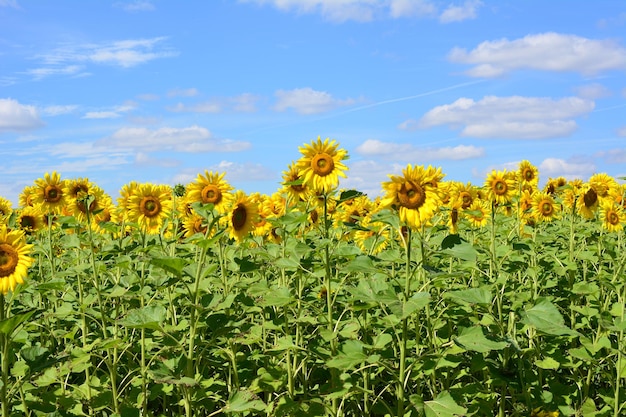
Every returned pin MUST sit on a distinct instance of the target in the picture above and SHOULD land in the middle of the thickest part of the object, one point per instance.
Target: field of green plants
(436, 299)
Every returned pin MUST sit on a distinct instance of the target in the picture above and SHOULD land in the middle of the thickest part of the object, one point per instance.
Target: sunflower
(465, 194)
(27, 196)
(373, 238)
(294, 186)
(478, 213)
(106, 213)
(244, 213)
(30, 219)
(544, 208)
(352, 211)
(78, 187)
(554, 186)
(193, 223)
(5, 209)
(414, 194)
(571, 192)
(527, 174)
(51, 193)
(14, 259)
(501, 186)
(588, 202)
(320, 165)
(612, 216)
(149, 206)
(78, 202)
(603, 184)
(211, 188)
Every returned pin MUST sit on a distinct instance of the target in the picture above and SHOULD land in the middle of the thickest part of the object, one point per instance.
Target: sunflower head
(149, 206)
(612, 216)
(5, 209)
(30, 219)
(603, 184)
(243, 215)
(321, 164)
(501, 186)
(51, 193)
(14, 259)
(211, 188)
(544, 208)
(527, 174)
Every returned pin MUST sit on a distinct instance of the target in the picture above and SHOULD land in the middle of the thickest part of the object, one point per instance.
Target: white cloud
(206, 107)
(233, 171)
(411, 8)
(546, 51)
(179, 92)
(555, 167)
(308, 101)
(9, 3)
(407, 152)
(114, 113)
(334, 10)
(135, 6)
(245, 102)
(614, 156)
(592, 91)
(621, 132)
(468, 10)
(143, 159)
(367, 176)
(510, 117)
(17, 117)
(58, 110)
(71, 59)
(187, 139)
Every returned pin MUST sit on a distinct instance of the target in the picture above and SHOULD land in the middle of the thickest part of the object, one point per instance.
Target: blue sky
(159, 91)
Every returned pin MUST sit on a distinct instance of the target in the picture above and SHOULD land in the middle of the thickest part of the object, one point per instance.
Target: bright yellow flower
(244, 213)
(14, 259)
(106, 213)
(527, 174)
(374, 239)
(5, 209)
(30, 219)
(602, 184)
(465, 194)
(415, 194)
(211, 188)
(352, 211)
(149, 206)
(193, 223)
(478, 213)
(501, 186)
(612, 216)
(78, 202)
(27, 196)
(554, 185)
(544, 208)
(123, 202)
(51, 193)
(320, 165)
(293, 184)
(588, 202)
(78, 187)
(571, 192)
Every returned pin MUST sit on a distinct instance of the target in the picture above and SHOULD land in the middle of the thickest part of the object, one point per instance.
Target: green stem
(4, 345)
(405, 334)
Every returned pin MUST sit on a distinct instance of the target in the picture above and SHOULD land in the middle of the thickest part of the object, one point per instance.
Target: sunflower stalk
(402, 366)
(5, 341)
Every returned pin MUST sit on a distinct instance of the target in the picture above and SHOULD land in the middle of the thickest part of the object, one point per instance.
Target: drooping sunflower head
(501, 186)
(321, 164)
(554, 186)
(6, 209)
(588, 202)
(527, 174)
(612, 216)
(51, 193)
(602, 184)
(544, 208)
(14, 259)
(149, 206)
(242, 216)
(293, 184)
(211, 188)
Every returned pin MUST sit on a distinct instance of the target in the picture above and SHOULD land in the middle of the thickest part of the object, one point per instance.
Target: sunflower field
(436, 299)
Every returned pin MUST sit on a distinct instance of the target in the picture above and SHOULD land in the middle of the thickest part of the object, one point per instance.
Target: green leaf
(7, 326)
(457, 247)
(443, 406)
(480, 295)
(546, 318)
(473, 338)
(170, 264)
(149, 317)
(351, 355)
(278, 297)
(548, 363)
(362, 263)
(288, 264)
(348, 195)
(244, 401)
(417, 302)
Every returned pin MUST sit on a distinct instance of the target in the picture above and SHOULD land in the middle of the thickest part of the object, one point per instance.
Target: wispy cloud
(136, 6)
(368, 10)
(468, 10)
(592, 91)
(183, 92)
(112, 113)
(58, 110)
(546, 51)
(72, 59)
(510, 117)
(18, 117)
(205, 107)
(187, 139)
(555, 167)
(308, 101)
(407, 152)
